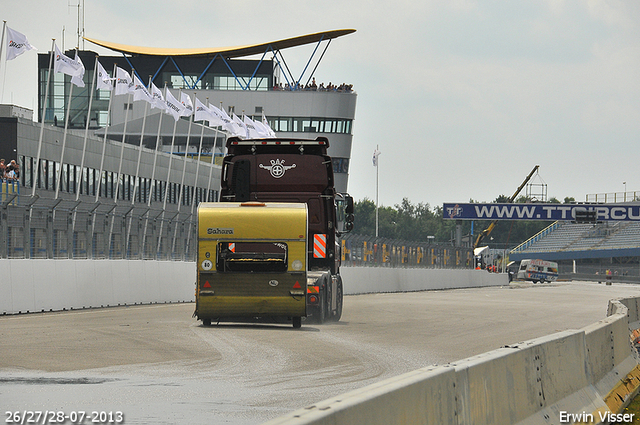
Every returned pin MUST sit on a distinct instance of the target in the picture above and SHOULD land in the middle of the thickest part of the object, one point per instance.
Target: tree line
(421, 223)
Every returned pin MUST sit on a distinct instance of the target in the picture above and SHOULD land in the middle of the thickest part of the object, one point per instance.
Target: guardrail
(581, 376)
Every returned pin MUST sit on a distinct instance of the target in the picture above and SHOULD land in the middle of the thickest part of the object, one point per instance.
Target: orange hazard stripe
(320, 245)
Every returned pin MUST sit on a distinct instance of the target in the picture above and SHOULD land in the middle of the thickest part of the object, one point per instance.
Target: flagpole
(4, 75)
(184, 169)
(166, 192)
(144, 122)
(86, 128)
(213, 157)
(64, 139)
(84, 147)
(184, 163)
(195, 179)
(135, 180)
(115, 198)
(104, 140)
(35, 180)
(155, 155)
(153, 176)
(376, 191)
(124, 133)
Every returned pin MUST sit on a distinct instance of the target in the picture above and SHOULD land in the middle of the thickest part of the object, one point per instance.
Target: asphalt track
(158, 365)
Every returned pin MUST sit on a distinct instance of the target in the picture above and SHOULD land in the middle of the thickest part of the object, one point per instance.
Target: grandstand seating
(566, 236)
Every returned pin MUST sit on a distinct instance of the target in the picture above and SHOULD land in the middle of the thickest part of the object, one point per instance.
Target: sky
(462, 97)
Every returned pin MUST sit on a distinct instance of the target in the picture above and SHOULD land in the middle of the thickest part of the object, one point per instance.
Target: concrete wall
(44, 285)
(362, 280)
(588, 372)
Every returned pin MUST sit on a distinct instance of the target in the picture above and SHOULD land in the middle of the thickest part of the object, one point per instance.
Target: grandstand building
(89, 195)
(220, 76)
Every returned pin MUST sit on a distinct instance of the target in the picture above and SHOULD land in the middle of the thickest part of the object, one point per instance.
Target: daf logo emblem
(273, 282)
(277, 168)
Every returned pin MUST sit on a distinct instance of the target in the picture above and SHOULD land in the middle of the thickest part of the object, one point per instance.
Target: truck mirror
(344, 212)
(349, 207)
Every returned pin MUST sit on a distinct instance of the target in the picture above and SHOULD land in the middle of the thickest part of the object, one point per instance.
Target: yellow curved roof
(230, 52)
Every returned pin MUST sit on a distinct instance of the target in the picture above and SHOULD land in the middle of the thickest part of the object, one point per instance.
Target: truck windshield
(251, 257)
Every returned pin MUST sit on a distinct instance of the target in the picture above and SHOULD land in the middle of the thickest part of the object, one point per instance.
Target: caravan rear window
(251, 257)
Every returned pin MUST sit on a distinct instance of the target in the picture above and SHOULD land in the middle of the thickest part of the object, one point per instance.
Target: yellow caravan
(252, 262)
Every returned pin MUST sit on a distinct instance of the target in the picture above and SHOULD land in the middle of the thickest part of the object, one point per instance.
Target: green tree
(415, 222)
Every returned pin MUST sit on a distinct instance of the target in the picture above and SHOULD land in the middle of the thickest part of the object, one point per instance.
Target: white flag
(272, 134)
(202, 113)
(123, 81)
(263, 132)
(78, 79)
(158, 98)
(140, 92)
(174, 108)
(252, 131)
(185, 99)
(17, 44)
(240, 129)
(104, 82)
(66, 65)
(226, 121)
(376, 154)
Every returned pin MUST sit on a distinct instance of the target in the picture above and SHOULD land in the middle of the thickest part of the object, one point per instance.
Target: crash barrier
(44, 285)
(583, 376)
(29, 286)
(359, 250)
(363, 280)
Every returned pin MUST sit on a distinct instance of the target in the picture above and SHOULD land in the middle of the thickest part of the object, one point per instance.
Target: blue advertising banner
(552, 212)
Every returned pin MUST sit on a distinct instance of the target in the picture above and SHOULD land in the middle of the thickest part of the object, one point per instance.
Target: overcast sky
(463, 97)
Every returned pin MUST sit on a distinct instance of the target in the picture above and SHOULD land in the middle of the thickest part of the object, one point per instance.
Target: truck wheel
(207, 321)
(339, 300)
(322, 308)
(541, 280)
(297, 322)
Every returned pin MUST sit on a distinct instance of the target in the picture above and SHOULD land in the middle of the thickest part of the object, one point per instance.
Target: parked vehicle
(538, 271)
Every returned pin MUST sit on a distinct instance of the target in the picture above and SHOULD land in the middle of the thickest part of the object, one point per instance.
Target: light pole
(625, 191)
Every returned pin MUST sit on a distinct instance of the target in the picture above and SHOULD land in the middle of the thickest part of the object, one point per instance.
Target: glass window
(73, 174)
(91, 181)
(177, 82)
(27, 170)
(251, 257)
(64, 178)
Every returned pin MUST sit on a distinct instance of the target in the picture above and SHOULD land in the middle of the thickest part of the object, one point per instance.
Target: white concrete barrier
(46, 285)
(49, 285)
(589, 373)
(363, 280)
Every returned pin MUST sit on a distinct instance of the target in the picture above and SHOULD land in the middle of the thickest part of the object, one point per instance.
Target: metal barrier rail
(358, 250)
(65, 229)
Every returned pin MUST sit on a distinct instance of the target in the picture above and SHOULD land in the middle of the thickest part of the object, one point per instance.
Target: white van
(538, 271)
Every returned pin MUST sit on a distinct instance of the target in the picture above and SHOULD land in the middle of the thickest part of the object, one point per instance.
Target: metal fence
(55, 229)
(358, 250)
(34, 227)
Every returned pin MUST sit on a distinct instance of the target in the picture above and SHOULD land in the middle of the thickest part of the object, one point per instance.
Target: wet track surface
(156, 364)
